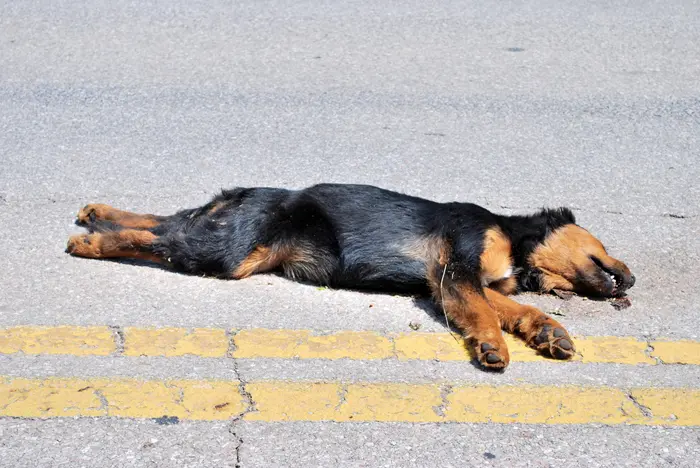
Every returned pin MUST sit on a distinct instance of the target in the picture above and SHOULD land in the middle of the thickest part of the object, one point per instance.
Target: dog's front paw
(492, 354)
(552, 339)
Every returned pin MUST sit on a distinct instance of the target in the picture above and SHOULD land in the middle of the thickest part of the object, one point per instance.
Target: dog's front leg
(538, 329)
(466, 305)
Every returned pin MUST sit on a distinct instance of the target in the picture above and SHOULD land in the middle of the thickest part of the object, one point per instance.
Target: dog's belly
(384, 272)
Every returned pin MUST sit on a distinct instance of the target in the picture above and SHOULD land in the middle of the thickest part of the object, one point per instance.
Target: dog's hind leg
(539, 330)
(128, 243)
(97, 214)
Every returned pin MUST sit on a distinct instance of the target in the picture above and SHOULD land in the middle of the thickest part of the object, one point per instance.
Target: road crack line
(445, 392)
(249, 403)
(645, 410)
(118, 336)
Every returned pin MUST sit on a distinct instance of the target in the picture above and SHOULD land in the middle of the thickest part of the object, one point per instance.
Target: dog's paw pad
(543, 336)
(554, 341)
(490, 357)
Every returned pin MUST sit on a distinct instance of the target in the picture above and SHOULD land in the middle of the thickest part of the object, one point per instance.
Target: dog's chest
(497, 263)
(490, 277)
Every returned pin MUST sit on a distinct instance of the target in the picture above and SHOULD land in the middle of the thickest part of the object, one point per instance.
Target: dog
(366, 238)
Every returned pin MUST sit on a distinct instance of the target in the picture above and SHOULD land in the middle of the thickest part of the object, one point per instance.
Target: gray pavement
(346, 370)
(155, 105)
(118, 443)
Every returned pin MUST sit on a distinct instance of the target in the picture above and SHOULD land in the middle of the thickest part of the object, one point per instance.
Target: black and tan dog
(363, 237)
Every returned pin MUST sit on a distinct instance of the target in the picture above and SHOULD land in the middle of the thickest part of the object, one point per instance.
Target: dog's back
(352, 236)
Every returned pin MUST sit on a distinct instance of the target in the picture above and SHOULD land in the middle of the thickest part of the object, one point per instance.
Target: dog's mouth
(614, 284)
(615, 281)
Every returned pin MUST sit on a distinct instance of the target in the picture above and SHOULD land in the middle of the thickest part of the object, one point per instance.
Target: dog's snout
(633, 279)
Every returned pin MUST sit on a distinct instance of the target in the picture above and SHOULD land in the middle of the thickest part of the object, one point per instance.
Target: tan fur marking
(261, 259)
(471, 313)
(296, 261)
(551, 281)
(300, 254)
(524, 320)
(126, 244)
(474, 313)
(564, 249)
(496, 258)
(565, 253)
(512, 315)
(217, 206)
(506, 286)
(426, 249)
(123, 218)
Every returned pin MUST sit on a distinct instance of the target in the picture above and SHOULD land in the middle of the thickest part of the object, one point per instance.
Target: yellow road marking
(303, 344)
(670, 404)
(127, 398)
(430, 346)
(306, 344)
(542, 405)
(294, 401)
(202, 342)
(613, 350)
(677, 352)
(344, 402)
(78, 341)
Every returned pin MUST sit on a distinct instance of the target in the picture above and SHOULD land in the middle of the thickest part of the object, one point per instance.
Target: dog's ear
(529, 277)
(557, 217)
(530, 280)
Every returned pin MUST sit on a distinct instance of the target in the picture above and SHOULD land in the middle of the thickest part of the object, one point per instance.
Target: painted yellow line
(346, 402)
(170, 342)
(306, 344)
(443, 347)
(128, 398)
(78, 341)
(677, 352)
(613, 350)
(303, 344)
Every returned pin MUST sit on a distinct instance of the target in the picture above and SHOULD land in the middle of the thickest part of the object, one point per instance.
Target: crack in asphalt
(445, 392)
(645, 410)
(249, 403)
(118, 335)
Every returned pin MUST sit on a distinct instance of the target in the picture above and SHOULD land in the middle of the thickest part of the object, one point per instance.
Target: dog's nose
(632, 280)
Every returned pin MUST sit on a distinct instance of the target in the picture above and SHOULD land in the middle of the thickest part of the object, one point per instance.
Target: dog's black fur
(354, 231)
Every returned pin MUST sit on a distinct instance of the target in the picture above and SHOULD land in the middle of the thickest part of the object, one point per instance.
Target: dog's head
(571, 259)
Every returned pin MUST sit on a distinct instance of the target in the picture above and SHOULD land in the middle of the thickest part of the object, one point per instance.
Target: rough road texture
(152, 106)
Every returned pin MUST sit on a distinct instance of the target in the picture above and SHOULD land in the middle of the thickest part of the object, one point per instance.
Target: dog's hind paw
(91, 213)
(84, 245)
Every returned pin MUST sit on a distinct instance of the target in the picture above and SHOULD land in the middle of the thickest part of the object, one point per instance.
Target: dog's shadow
(435, 312)
(431, 309)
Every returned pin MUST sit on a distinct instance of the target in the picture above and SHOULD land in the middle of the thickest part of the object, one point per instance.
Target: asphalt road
(155, 105)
